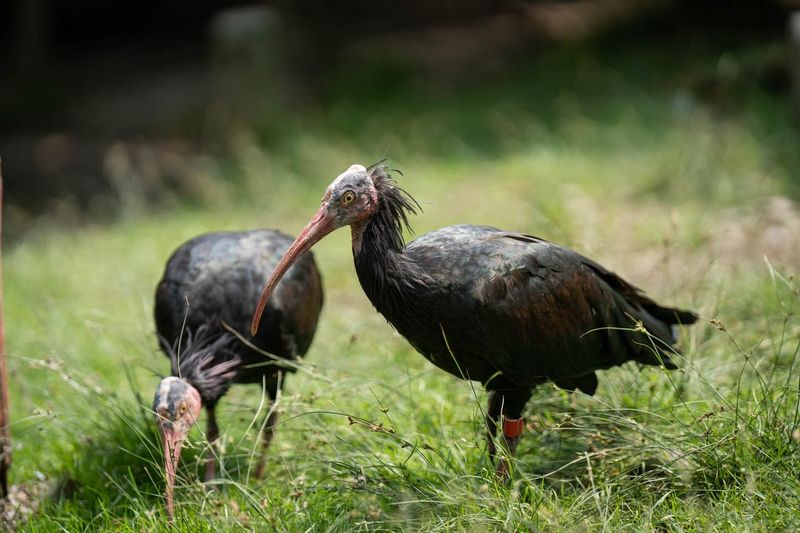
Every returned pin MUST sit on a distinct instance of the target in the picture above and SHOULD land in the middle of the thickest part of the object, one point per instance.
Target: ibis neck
(386, 272)
(377, 255)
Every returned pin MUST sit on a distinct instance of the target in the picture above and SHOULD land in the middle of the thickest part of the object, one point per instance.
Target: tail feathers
(669, 315)
(634, 307)
(661, 324)
(672, 317)
(652, 334)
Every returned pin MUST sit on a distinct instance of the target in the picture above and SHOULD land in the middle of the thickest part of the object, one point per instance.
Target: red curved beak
(319, 226)
(172, 440)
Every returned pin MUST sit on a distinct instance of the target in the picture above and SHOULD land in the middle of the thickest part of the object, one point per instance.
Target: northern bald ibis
(211, 281)
(509, 310)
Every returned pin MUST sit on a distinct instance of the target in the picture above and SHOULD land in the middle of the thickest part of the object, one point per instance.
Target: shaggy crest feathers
(195, 361)
(394, 206)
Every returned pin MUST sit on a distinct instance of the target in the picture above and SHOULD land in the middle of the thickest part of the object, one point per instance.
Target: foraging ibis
(509, 310)
(210, 282)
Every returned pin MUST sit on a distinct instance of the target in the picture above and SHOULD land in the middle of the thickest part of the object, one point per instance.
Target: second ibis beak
(173, 440)
(320, 225)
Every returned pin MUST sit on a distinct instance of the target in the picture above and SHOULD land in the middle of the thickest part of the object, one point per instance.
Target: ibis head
(176, 406)
(350, 200)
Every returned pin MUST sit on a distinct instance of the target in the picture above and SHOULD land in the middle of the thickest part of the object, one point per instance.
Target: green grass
(601, 151)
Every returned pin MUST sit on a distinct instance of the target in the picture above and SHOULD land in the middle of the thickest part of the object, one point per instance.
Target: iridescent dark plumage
(216, 278)
(212, 283)
(507, 309)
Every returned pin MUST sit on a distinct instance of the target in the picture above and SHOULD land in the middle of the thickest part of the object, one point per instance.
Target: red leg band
(512, 428)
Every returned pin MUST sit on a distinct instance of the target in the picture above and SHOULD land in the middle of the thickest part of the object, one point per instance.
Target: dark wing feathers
(217, 278)
(531, 310)
(608, 307)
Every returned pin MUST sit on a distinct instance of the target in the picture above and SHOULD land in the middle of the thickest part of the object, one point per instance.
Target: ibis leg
(269, 432)
(512, 402)
(212, 434)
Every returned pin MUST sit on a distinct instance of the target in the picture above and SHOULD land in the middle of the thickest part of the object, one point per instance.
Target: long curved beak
(172, 440)
(319, 226)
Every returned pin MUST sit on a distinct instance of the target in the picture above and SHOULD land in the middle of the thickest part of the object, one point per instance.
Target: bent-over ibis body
(507, 309)
(210, 282)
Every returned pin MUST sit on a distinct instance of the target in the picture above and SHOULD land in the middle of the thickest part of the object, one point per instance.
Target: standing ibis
(509, 310)
(210, 285)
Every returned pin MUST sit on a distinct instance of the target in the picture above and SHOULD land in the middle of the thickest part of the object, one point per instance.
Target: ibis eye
(183, 408)
(348, 197)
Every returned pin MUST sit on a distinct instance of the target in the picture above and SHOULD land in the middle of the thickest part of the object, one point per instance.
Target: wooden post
(5, 436)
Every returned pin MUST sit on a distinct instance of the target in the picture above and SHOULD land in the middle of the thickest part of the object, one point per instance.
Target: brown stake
(5, 436)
